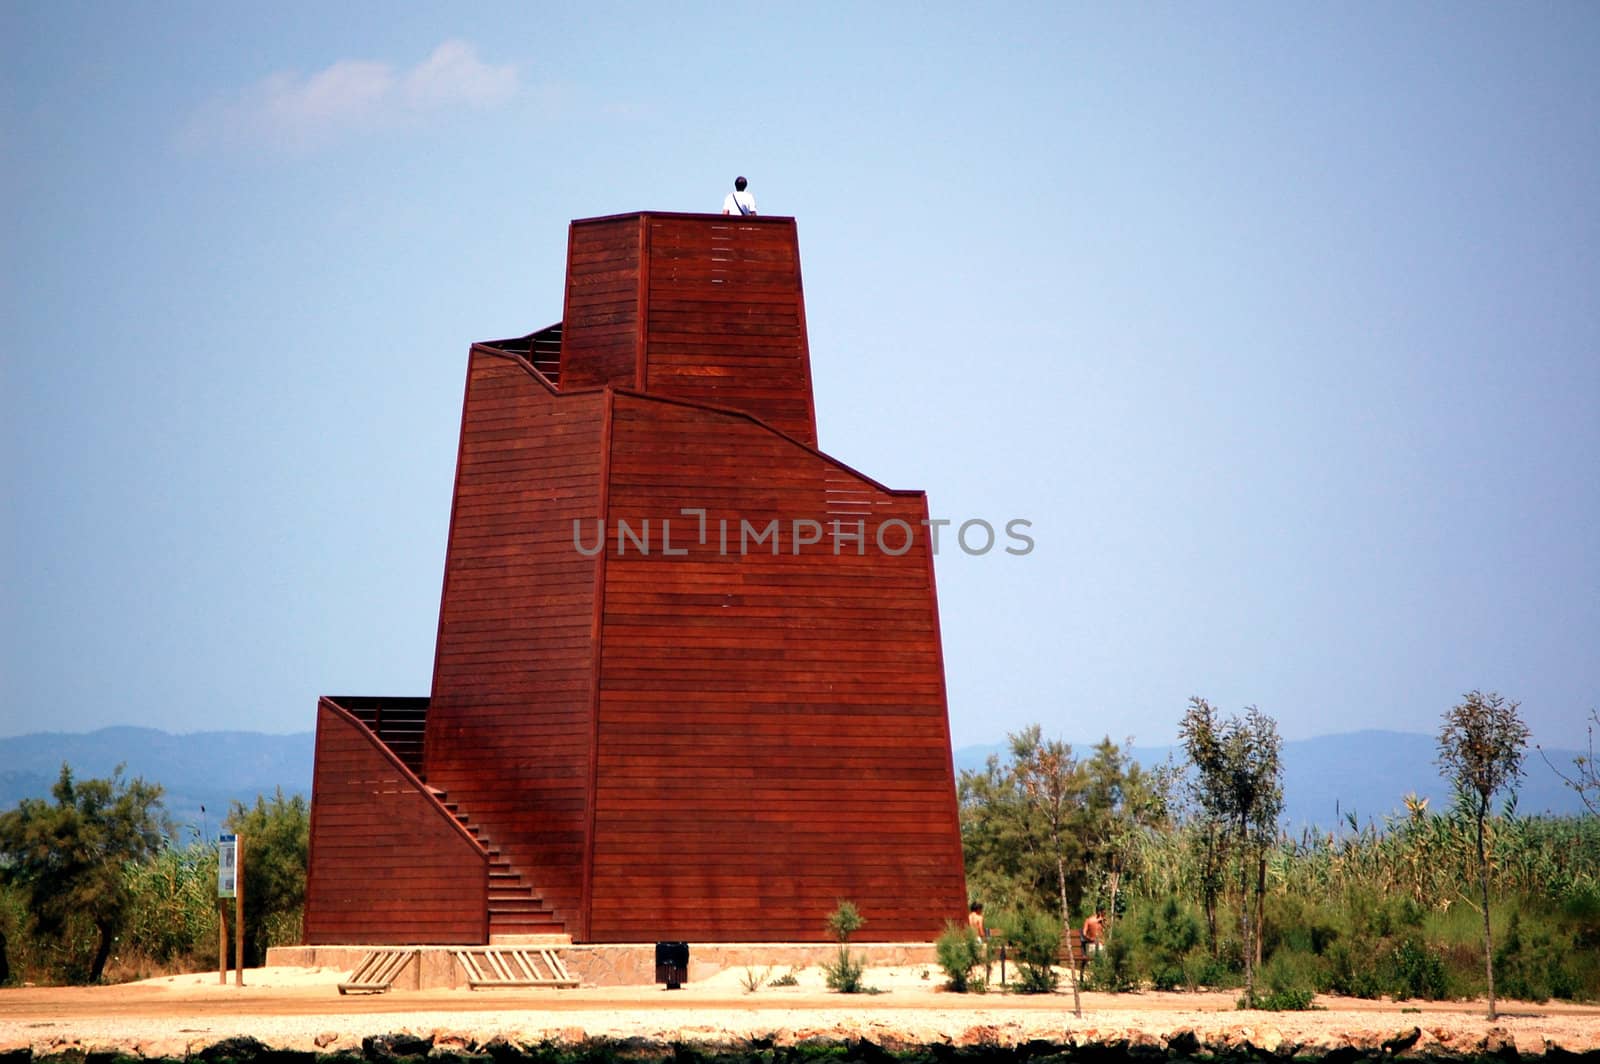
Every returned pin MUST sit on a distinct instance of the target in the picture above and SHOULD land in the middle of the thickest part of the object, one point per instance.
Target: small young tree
(959, 951)
(68, 857)
(844, 972)
(1480, 751)
(1047, 774)
(1239, 787)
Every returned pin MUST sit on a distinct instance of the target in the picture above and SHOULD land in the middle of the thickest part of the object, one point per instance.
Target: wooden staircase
(516, 911)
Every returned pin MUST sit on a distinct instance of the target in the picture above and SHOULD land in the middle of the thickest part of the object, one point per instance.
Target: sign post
(230, 884)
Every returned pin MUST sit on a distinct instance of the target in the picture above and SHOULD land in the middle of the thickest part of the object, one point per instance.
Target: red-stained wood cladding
(709, 309)
(600, 331)
(387, 864)
(510, 725)
(773, 734)
(725, 320)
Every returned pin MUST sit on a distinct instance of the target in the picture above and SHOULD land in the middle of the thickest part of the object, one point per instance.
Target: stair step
(515, 907)
(560, 938)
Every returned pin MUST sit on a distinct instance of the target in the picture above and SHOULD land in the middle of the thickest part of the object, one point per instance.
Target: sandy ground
(301, 1008)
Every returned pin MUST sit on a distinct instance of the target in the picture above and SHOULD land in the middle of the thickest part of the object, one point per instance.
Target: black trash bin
(672, 964)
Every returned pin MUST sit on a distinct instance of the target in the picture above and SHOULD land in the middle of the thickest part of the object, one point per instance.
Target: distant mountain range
(202, 769)
(1368, 773)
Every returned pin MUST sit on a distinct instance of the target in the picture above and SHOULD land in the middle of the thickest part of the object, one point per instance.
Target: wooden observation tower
(688, 681)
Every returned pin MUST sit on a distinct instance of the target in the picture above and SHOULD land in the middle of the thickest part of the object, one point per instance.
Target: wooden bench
(1073, 953)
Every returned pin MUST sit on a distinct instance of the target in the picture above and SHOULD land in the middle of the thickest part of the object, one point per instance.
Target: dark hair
(739, 183)
(977, 906)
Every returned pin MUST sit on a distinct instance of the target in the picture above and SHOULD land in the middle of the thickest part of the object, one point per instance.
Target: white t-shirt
(730, 205)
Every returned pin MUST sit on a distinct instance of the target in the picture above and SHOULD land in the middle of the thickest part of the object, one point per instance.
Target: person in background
(739, 201)
(1094, 932)
(975, 919)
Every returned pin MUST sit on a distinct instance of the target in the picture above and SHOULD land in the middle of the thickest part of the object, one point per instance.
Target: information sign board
(227, 865)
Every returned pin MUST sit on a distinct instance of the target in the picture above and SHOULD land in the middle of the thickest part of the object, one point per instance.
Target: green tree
(1035, 825)
(68, 857)
(1481, 745)
(1018, 824)
(997, 838)
(1051, 787)
(276, 838)
(1121, 803)
(1239, 787)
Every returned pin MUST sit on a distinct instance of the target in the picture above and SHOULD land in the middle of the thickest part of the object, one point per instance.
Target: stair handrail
(408, 776)
(524, 358)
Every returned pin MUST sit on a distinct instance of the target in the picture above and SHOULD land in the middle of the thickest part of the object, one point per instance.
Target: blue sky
(1278, 322)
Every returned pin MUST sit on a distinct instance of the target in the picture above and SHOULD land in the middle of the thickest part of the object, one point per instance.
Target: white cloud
(453, 74)
(295, 110)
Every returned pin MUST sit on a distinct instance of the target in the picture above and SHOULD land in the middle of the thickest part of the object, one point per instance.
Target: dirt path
(302, 1009)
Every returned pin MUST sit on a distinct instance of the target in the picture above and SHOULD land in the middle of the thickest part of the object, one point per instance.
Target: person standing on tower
(739, 201)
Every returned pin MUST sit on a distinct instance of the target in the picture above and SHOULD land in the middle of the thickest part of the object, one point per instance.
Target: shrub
(1201, 969)
(1289, 979)
(1581, 905)
(1279, 1001)
(1530, 965)
(1111, 969)
(13, 934)
(1299, 924)
(1353, 971)
(1418, 971)
(844, 972)
(959, 952)
(1037, 940)
(1165, 935)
